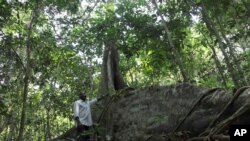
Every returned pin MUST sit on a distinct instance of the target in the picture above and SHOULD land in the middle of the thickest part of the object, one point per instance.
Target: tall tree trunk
(211, 27)
(232, 55)
(219, 67)
(26, 77)
(111, 75)
(48, 134)
(112, 79)
(177, 55)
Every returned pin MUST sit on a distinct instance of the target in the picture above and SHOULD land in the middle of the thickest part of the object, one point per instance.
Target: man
(82, 116)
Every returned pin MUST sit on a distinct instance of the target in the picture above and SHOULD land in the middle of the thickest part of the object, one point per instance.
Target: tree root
(213, 133)
(223, 125)
(206, 93)
(236, 95)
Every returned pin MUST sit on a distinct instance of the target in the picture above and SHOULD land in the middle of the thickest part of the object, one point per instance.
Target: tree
(212, 29)
(111, 75)
(28, 70)
(176, 54)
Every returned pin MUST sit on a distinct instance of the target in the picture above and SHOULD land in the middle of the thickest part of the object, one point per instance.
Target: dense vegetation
(52, 49)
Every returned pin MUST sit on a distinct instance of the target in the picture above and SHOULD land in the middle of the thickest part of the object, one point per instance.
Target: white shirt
(82, 110)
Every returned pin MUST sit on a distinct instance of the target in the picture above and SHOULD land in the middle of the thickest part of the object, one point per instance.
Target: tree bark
(111, 75)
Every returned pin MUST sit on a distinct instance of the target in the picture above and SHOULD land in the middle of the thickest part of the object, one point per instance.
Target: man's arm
(96, 99)
(77, 121)
(76, 113)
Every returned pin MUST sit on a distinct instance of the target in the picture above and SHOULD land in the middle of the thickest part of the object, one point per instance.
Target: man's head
(82, 96)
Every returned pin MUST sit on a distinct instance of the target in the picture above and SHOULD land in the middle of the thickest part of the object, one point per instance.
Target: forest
(50, 50)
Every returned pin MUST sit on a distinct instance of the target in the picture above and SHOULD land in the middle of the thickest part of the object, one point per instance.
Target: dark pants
(83, 133)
